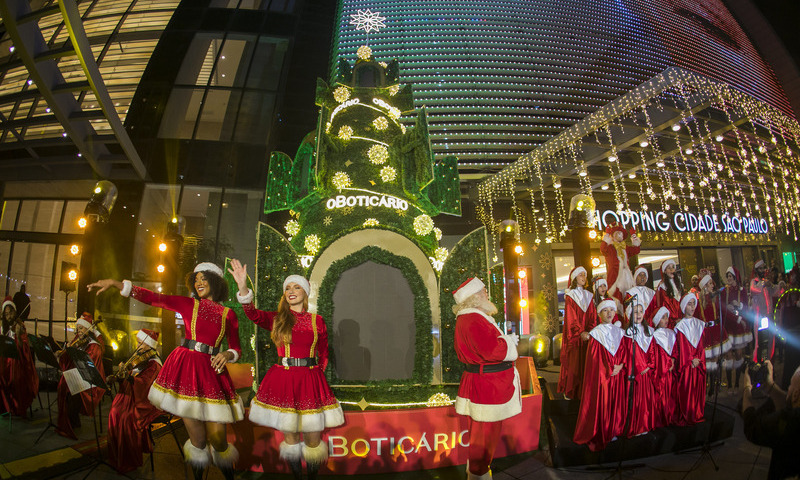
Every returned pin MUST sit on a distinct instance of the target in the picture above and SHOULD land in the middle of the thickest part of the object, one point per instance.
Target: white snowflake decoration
(341, 180)
(292, 227)
(341, 94)
(378, 154)
(346, 132)
(312, 244)
(437, 232)
(423, 224)
(441, 254)
(388, 174)
(367, 20)
(380, 123)
(327, 221)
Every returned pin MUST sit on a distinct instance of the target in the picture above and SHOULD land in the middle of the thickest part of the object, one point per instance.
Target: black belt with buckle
(488, 368)
(200, 347)
(297, 362)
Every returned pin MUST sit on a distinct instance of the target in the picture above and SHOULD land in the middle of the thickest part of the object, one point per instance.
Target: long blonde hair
(284, 322)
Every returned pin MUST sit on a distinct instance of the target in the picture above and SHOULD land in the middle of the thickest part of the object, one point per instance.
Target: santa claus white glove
(635, 240)
(740, 320)
(513, 337)
(607, 239)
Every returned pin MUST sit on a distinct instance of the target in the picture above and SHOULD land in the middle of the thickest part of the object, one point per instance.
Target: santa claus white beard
(488, 307)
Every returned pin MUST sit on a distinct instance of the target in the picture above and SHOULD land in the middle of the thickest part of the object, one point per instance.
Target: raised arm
(245, 296)
(176, 303)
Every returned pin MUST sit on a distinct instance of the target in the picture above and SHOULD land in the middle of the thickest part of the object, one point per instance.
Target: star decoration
(327, 221)
(367, 20)
(363, 403)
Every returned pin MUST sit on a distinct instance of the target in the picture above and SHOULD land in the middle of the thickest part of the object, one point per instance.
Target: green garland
(423, 366)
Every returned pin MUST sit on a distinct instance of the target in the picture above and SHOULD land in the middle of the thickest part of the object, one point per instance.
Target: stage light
(74, 249)
(160, 268)
(509, 228)
(644, 143)
(97, 189)
(521, 274)
(592, 234)
(175, 219)
(595, 262)
(720, 138)
(518, 249)
(523, 303)
(82, 222)
(72, 275)
(162, 247)
(114, 346)
(676, 127)
(604, 187)
(580, 205)
(612, 159)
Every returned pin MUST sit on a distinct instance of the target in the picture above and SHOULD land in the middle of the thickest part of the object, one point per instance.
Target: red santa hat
(7, 302)
(149, 337)
(209, 267)
(659, 315)
(704, 281)
(616, 227)
(298, 280)
(573, 274)
(686, 299)
(666, 263)
(607, 303)
(86, 320)
(600, 281)
(467, 289)
(640, 269)
(733, 271)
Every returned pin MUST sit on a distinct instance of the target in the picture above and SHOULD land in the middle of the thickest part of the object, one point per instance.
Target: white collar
(581, 296)
(608, 335)
(665, 338)
(691, 328)
(641, 339)
(479, 312)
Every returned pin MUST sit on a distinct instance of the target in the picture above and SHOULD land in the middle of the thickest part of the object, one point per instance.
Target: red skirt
(295, 399)
(187, 386)
(739, 332)
(717, 343)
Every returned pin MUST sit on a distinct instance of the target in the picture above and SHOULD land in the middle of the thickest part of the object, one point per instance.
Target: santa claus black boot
(293, 454)
(225, 459)
(315, 456)
(197, 458)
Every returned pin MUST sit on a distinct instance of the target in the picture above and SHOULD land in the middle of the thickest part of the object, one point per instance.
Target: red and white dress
(293, 398)
(735, 299)
(19, 382)
(690, 389)
(580, 315)
(715, 339)
(187, 385)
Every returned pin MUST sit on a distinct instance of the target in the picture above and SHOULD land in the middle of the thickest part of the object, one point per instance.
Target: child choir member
(86, 401)
(640, 366)
(690, 391)
(663, 370)
(294, 396)
(668, 293)
(19, 381)
(603, 408)
(643, 294)
(131, 412)
(735, 300)
(580, 316)
(193, 382)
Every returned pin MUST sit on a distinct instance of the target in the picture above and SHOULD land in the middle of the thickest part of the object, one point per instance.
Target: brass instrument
(136, 359)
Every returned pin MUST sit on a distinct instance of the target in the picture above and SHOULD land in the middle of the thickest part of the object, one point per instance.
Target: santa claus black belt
(200, 347)
(488, 368)
(297, 362)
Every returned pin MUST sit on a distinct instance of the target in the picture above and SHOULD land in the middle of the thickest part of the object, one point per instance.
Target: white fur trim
(245, 299)
(225, 458)
(686, 299)
(83, 323)
(575, 272)
(485, 315)
(635, 240)
(667, 263)
(640, 270)
(691, 328)
(147, 339)
(168, 401)
(316, 455)
(704, 281)
(298, 280)
(715, 351)
(127, 287)
(196, 457)
(485, 476)
(600, 281)
(759, 263)
(467, 290)
(482, 412)
(235, 355)
(209, 267)
(731, 271)
(291, 452)
(268, 416)
(607, 303)
(511, 348)
(8, 302)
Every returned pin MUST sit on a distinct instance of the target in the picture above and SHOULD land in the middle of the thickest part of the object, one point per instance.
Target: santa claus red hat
(686, 299)
(467, 289)
(149, 337)
(607, 303)
(659, 315)
(6, 302)
(575, 272)
(86, 320)
(640, 269)
(616, 227)
(704, 281)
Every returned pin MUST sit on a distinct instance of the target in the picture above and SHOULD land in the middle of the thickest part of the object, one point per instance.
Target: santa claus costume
(617, 254)
(668, 294)
(715, 338)
(580, 316)
(86, 401)
(19, 381)
(131, 412)
(762, 305)
(641, 366)
(690, 391)
(735, 301)
(641, 294)
(664, 378)
(294, 395)
(603, 408)
(490, 389)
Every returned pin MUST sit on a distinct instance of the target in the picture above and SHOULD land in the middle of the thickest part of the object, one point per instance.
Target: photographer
(776, 424)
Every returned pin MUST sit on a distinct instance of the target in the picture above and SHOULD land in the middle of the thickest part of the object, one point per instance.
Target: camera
(758, 374)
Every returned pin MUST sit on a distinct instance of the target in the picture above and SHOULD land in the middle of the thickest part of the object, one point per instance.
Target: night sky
(784, 16)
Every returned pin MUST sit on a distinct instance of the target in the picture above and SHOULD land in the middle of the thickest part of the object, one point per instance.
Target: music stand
(89, 373)
(44, 352)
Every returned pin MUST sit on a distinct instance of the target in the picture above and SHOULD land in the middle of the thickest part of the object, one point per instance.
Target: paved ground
(56, 457)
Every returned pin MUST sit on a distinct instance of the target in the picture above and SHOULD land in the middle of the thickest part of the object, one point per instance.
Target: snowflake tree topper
(367, 20)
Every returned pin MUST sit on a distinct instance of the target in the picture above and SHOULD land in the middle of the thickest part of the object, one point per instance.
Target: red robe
(131, 413)
(715, 340)
(89, 399)
(661, 299)
(644, 397)
(601, 416)
(19, 381)
(690, 391)
(664, 377)
(736, 300)
(580, 315)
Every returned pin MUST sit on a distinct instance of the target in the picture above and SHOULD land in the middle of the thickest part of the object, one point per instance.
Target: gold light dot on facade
(82, 222)
(378, 154)
(595, 262)
(74, 249)
(364, 52)
(162, 247)
(160, 268)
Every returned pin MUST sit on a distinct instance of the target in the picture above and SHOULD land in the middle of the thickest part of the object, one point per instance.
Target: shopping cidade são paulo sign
(659, 221)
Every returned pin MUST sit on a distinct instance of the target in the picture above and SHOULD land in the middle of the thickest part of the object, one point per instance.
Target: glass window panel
(181, 113)
(219, 115)
(74, 211)
(255, 117)
(26, 215)
(64, 306)
(224, 3)
(47, 216)
(265, 72)
(32, 264)
(9, 215)
(233, 62)
(278, 5)
(199, 59)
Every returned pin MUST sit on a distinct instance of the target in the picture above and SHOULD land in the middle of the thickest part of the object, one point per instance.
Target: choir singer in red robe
(579, 318)
(690, 391)
(642, 362)
(601, 417)
(668, 293)
(663, 370)
(131, 412)
(490, 390)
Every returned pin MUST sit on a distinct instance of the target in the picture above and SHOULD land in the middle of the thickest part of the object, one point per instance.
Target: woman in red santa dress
(617, 253)
(664, 378)
(579, 318)
(603, 408)
(640, 365)
(294, 396)
(715, 339)
(19, 382)
(194, 383)
(735, 300)
(131, 412)
(85, 403)
(641, 293)
(689, 351)
(668, 293)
